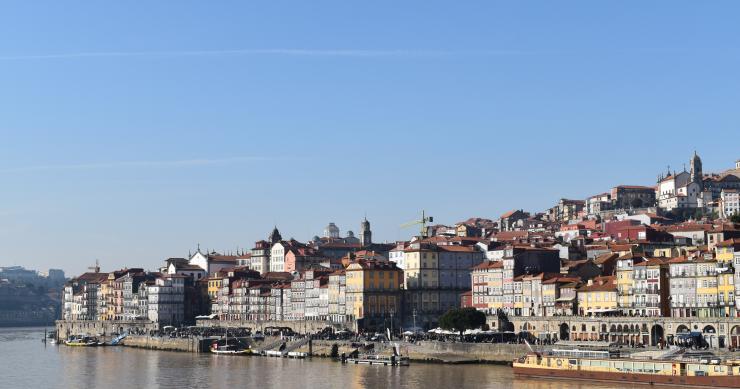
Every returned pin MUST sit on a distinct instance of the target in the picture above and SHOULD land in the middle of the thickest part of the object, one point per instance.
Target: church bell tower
(366, 236)
(696, 173)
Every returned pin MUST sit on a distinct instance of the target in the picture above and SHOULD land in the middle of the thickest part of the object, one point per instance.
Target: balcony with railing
(647, 291)
(650, 304)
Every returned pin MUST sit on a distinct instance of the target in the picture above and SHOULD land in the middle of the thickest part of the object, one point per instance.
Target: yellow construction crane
(423, 221)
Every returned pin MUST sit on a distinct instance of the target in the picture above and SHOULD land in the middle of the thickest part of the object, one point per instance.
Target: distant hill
(28, 305)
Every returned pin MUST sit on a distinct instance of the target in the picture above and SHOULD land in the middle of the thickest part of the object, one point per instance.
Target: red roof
(635, 187)
(507, 214)
(689, 227)
(488, 265)
(459, 249)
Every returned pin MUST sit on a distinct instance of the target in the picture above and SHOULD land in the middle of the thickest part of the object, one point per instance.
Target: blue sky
(131, 131)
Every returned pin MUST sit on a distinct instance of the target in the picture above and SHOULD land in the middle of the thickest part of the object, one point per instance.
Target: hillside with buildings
(28, 297)
(634, 264)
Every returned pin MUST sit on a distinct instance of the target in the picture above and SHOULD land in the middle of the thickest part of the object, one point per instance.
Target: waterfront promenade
(427, 351)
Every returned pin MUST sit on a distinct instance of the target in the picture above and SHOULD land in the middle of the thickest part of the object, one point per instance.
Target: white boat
(396, 359)
(82, 341)
(373, 359)
(229, 349)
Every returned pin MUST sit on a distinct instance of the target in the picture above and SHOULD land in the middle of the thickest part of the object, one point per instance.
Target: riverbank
(424, 351)
(192, 345)
(434, 352)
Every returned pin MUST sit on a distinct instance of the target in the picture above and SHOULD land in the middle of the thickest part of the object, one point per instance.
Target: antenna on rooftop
(96, 268)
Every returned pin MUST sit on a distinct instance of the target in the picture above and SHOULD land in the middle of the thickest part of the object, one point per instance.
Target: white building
(729, 203)
(598, 203)
(398, 256)
(81, 295)
(212, 262)
(684, 189)
(678, 191)
(166, 300)
(183, 267)
(277, 257)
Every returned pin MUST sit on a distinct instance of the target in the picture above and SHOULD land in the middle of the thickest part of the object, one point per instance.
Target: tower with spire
(275, 236)
(696, 173)
(366, 236)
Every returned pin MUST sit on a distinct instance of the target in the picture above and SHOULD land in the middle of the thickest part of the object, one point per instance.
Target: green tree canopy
(735, 218)
(462, 319)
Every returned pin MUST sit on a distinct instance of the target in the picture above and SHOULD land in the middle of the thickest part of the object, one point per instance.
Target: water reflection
(26, 363)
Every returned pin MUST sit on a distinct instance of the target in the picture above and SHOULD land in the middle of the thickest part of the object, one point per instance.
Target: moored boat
(230, 351)
(235, 348)
(373, 359)
(606, 366)
(395, 359)
(82, 341)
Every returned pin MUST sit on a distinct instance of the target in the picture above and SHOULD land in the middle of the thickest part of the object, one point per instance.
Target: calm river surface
(26, 363)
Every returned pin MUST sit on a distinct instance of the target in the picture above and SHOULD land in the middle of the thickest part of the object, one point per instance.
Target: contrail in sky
(134, 164)
(265, 52)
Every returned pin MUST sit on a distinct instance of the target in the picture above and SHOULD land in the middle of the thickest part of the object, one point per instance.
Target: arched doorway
(681, 329)
(656, 334)
(507, 326)
(735, 337)
(564, 332)
(710, 335)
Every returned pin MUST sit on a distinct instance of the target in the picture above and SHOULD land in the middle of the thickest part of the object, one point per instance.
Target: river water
(26, 363)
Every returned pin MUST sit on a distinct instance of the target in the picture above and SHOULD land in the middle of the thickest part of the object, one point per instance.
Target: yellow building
(487, 282)
(598, 297)
(105, 291)
(214, 285)
(421, 271)
(373, 294)
(421, 281)
(666, 252)
(518, 297)
(625, 280)
(707, 293)
(107, 307)
(495, 281)
(725, 254)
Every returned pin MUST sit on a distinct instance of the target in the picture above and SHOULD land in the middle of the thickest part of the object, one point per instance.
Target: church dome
(331, 231)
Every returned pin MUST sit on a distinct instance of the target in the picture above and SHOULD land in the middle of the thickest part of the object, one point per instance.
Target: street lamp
(414, 316)
(391, 325)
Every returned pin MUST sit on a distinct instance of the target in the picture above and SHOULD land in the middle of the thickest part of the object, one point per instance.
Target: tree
(735, 218)
(698, 214)
(462, 319)
(334, 350)
(636, 203)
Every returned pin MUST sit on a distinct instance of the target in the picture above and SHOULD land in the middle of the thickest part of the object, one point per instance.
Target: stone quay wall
(104, 328)
(464, 352)
(441, 352)
(193, 345)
